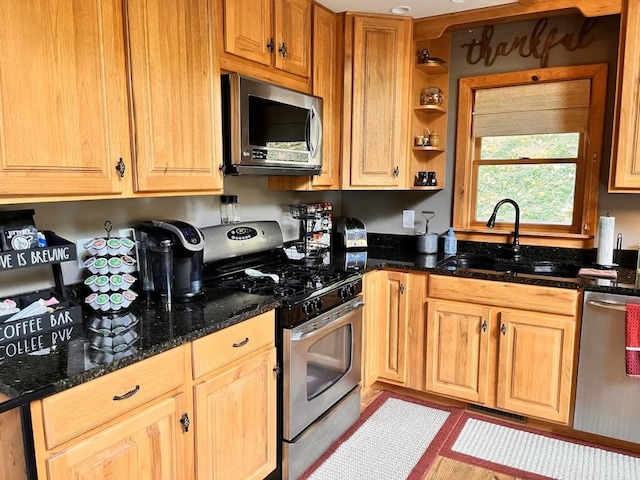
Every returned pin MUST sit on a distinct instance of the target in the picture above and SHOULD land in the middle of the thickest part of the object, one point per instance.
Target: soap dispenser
(450, 243)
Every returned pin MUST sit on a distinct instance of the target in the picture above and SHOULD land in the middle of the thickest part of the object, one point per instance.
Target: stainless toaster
(350, 233)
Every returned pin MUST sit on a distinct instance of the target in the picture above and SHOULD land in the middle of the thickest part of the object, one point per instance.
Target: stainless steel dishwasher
(607, 401)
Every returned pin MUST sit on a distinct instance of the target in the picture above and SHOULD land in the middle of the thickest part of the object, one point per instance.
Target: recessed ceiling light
(401, 9)
(458, 1)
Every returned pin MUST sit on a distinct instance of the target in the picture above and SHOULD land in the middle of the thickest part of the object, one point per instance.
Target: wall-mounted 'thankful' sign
(537, 44)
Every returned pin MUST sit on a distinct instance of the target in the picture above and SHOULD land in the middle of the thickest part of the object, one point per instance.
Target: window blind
(552, 107)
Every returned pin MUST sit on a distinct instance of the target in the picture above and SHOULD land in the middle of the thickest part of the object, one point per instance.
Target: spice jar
(229, 209)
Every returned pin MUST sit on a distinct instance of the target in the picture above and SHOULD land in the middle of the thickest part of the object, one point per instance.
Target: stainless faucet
(514, 248)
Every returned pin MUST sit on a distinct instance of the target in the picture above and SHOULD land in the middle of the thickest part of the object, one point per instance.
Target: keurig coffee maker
(170, 255)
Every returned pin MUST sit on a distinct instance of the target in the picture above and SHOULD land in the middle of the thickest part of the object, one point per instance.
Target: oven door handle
(332, 325)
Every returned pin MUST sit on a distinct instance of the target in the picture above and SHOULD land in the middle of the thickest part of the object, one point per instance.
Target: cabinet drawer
(77, 410)
(536, 298)
(223, 347)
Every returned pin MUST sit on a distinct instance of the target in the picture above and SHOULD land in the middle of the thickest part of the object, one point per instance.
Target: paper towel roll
(606, 228)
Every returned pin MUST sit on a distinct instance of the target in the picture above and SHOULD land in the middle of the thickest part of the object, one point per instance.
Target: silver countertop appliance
(607, 400)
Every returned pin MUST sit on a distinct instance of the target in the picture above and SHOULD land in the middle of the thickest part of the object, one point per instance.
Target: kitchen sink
(482, 262)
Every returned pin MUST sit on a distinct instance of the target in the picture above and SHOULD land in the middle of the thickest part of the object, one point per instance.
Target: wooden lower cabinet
(535, 364)
(236, 421)
(394, 327)
(206, 410)
(458, 341)
(147, 445)
(123, 425)
(514, 360)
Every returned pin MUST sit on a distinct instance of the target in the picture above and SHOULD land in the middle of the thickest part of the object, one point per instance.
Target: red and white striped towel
(632, 340)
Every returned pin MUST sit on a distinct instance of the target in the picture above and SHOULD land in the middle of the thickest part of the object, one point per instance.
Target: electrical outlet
(408, 219)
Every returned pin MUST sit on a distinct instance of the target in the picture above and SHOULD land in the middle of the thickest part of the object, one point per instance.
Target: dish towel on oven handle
(632, 340)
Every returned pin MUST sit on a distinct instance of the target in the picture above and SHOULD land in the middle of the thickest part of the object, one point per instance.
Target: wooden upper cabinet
(175, 96)
(267, 39)
(376, 101)
(326, 84)
(248, 29)
(293, 39)
(63, 114)
(624, 174)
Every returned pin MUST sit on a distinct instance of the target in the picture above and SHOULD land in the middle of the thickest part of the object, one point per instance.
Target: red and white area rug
(398, 438)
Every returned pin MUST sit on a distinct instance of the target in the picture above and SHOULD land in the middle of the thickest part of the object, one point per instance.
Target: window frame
(582, 231)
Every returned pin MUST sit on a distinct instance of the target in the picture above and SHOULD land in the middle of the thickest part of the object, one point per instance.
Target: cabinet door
(176, 96)
(393, 331)
(293, 36)
(148, 445)
(236, 421)
(536, 364)
(248, 29)
(379, 106)
(372, 317)
(326, 85)
(458, 342)
(63, 114)
(625, 161)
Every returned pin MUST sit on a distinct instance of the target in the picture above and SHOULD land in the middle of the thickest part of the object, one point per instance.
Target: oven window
(328, 360)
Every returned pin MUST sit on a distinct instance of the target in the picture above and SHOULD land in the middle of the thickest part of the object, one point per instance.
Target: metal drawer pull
(130, 393)
(484, 326)
(242, 343)
(504, 329)
(609, 305)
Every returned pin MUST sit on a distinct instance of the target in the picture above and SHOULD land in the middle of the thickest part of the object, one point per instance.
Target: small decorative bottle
(450, 243)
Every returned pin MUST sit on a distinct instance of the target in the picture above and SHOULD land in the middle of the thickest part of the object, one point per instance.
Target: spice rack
(42, 330)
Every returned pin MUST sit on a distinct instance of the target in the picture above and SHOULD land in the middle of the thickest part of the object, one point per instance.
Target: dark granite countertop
(144, 329)
(399, 255)
(148, 328)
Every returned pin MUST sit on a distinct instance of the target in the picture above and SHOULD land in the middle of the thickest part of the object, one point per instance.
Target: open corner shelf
(428, 149)
(432, 68)
(430, 109)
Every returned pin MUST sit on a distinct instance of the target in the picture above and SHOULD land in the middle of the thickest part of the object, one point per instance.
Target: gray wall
(382, 211)
(83, 219)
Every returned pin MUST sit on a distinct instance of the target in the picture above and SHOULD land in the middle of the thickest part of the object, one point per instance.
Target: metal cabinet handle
(270, 45)
(401, 289)
(283, 50)
(484, 325)
(184, 420)
(124, 396)
(276, 370)
(120, 168)
(503, 329)
(396, 172)
(242, 343)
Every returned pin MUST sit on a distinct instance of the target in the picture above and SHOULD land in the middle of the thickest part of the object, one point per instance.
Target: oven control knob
(352, 290)
(307, 308)
(317, 304)
(343, 293)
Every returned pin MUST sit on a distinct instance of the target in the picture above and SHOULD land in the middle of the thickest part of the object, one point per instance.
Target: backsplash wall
(382, 211)
(82, 219)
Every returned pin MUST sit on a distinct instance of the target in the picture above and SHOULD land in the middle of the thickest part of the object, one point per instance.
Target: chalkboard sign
(34, 343)
(36, 256)
(39, 324)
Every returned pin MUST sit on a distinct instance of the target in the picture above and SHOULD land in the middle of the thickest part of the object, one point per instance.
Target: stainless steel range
(318, 334)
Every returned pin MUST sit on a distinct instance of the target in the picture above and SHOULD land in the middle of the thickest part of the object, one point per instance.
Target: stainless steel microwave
(269, 130)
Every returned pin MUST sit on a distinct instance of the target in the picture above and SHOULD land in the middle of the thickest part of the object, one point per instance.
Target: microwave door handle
(314, 125)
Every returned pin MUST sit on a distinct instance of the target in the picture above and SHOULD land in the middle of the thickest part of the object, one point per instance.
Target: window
(534, 137)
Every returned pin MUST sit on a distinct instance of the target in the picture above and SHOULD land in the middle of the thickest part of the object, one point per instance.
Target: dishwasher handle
(609, 305)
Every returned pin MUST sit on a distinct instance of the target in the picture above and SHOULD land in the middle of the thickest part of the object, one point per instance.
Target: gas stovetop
(304, 290)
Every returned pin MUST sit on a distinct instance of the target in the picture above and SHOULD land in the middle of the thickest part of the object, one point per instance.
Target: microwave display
(277, 125)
